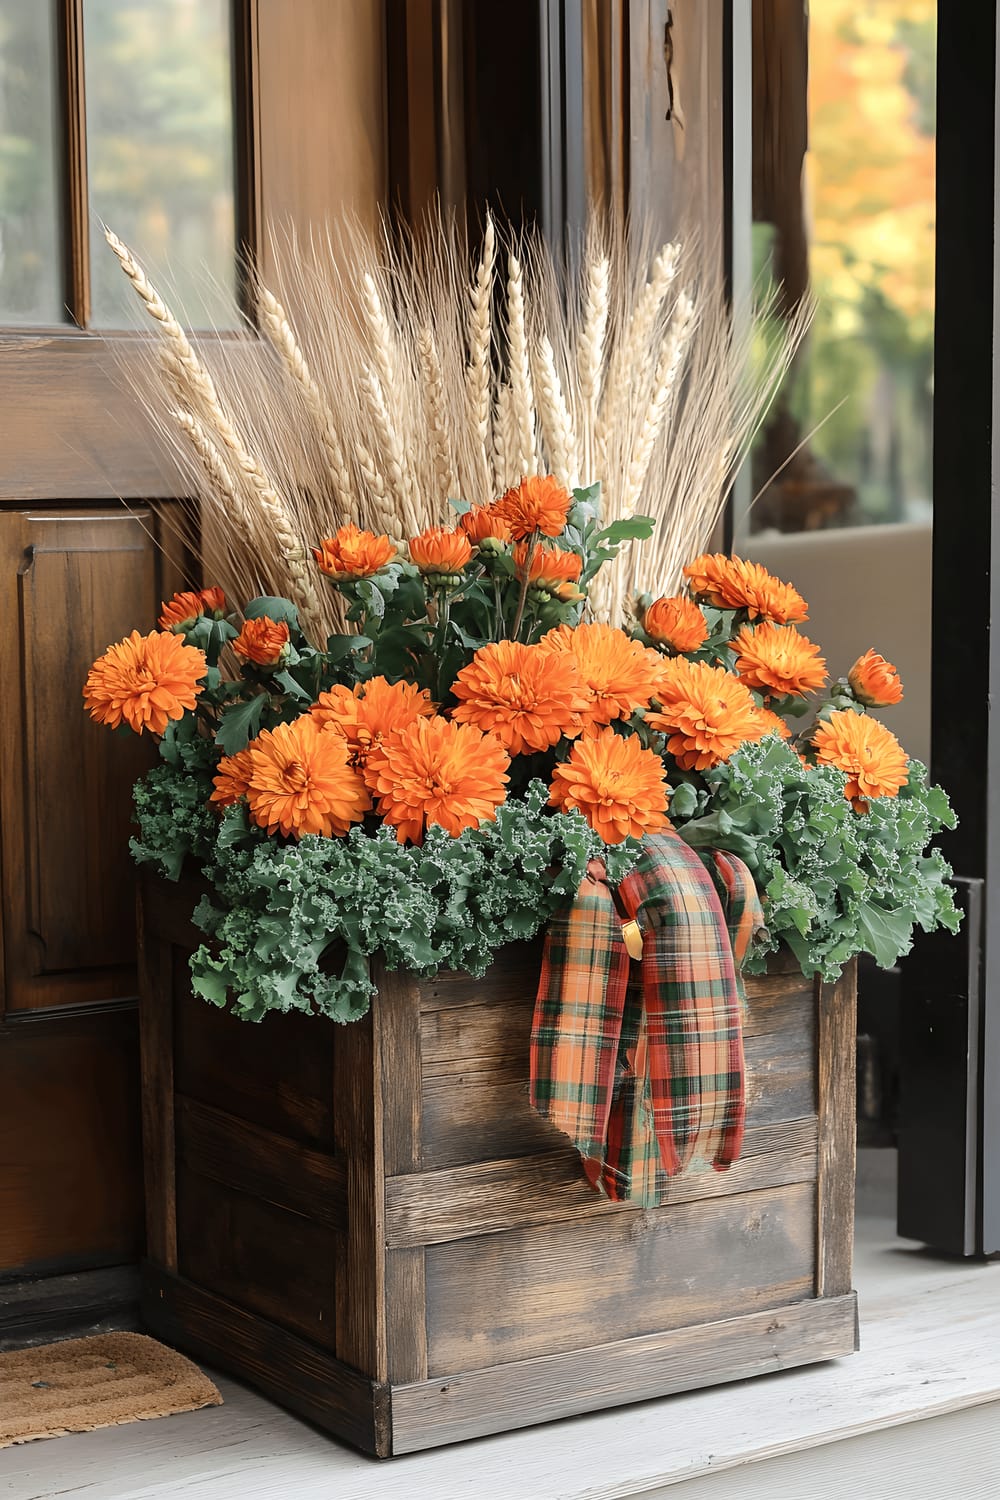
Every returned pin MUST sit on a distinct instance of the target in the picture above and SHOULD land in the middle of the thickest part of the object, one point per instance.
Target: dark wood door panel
(70, 1183)
(74, 582)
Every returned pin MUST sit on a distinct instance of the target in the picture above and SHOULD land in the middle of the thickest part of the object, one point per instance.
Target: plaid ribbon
(641, 1064)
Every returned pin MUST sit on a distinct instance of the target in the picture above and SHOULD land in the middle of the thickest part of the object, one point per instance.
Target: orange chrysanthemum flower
(875, 681)
(553, 570)
(145, 681)
(484, 523)
(676, 624)
(232, 778)
(618, 786)
(538, 503)
(874, 760)
(773, 723)
(441, 551)
(733, 583)
(618, 674)
(439, 773)
(301, 781)
(705, 713)
(263, 642)
(352, 553)
(365, 714)
(182, 611)
(778, 661)
(527, 696)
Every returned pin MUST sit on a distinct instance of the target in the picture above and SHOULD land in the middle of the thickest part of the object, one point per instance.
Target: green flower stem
(523, 595)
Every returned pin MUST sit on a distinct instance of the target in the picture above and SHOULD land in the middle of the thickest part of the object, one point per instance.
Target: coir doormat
(78, 1385)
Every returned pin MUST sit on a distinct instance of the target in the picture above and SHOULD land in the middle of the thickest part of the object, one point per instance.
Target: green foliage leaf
(239, 723)
(271, 608)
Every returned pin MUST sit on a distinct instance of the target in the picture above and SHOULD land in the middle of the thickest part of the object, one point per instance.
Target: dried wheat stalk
(412, 373)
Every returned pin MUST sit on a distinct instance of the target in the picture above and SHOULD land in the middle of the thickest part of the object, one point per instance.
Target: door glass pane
(160, 154)
(846, 211)
(31, 263)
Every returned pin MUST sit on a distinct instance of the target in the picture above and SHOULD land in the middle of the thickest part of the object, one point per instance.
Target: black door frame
(949, 1146)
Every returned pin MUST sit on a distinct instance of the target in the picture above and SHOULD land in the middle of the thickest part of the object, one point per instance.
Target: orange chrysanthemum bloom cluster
(232, 778)
(263, 642)
(875, 681)
(525, 695)
(733, 583)
(538, 503)
(778, 661)
(875, 762)
(483, 523)
(182, 611)
(552, 570)
(352, 553)
(144, 681)
(773, 723)
(437, 772)
(441, 550)
(676, 624)
(365, 714)
(301, 781)
(706, 713)
(619, 787)
(618, 674)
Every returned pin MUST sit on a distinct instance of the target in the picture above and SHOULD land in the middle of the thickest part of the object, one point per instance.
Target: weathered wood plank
(488, 1197)
(280, 1265)
(356, 1082)
(477, 1108)
(397, 1039)
(274, 1073)
(275, 1361)
(837, 1021)
(252, 1160)
(547, 1289)
(557, 1385)
(157, 984)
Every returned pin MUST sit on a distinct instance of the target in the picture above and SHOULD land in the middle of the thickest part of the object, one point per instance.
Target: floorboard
(929, 1366)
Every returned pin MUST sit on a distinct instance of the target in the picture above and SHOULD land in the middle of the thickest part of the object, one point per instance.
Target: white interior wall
(866, 586)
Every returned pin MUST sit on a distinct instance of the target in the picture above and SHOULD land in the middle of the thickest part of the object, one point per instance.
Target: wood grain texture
(837, 1010)
(243, 1156)
(544, 1290)
(397, 1040)
(538, 1390)
(276, 1073)
(158, 990)
(276, 1361)
(358, 1120)
(262, 1258)
(489, 1197)
(476, 1060)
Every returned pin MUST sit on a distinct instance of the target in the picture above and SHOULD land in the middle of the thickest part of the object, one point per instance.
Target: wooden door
(88, 543)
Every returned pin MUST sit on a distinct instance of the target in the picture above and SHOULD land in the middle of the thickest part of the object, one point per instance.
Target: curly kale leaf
(834, 883)
(293, 926)
(174, 817)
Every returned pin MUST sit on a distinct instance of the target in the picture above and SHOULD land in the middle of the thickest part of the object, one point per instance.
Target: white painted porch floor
(914, 1415)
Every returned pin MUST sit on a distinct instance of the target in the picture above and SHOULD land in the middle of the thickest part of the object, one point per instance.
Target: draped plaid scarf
(641, 1063)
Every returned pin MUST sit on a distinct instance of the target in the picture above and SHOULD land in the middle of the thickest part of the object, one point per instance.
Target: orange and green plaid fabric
(641, 1064)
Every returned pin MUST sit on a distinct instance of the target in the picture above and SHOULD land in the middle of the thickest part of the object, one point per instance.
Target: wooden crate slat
(488, 1197)
(559, 1385)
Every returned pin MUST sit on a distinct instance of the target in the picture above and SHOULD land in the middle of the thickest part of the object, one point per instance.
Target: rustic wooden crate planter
(370, 1224)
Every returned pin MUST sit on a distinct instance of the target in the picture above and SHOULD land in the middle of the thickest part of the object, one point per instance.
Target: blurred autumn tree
(868, 186)
(159, 154)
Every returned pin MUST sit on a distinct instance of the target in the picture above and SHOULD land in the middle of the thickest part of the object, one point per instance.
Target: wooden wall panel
(74, 581)
(70, 1189)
